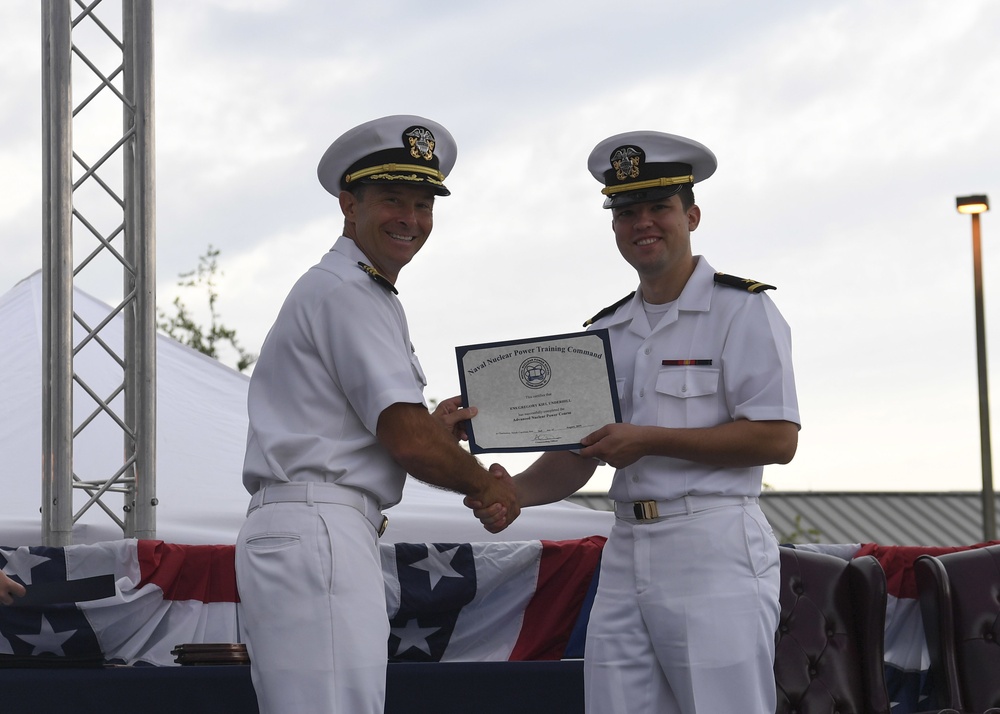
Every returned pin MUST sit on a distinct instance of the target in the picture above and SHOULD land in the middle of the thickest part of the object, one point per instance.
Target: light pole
(974, 205)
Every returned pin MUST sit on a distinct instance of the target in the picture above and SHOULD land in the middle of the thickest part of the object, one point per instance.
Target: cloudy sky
(844, 132)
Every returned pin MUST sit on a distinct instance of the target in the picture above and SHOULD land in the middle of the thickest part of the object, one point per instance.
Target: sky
(844, 131)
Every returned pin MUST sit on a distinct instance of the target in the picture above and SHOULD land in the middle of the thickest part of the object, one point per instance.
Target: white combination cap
(399, 149)
(648, 165)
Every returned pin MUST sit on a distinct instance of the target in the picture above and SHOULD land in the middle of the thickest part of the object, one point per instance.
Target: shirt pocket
(687, 397)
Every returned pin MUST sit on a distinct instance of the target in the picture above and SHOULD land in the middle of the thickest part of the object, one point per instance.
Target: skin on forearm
(552, 477)
(736, 444)
(557, 474)
(428, 451)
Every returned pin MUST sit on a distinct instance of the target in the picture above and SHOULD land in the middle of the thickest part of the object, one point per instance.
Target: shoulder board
(747, 284)
(378, 277)
(608, 310)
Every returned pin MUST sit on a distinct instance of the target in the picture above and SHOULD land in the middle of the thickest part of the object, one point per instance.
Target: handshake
(496, 498)
(501, 495)
(494, 501)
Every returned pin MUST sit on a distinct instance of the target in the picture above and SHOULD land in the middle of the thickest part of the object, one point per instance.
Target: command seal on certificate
(539, 393)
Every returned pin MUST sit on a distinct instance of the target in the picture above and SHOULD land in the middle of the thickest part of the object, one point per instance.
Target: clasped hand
(498, 492)
(501, 496)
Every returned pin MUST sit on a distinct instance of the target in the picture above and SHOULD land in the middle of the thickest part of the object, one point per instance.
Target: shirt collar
(349, 249)
(695, 297)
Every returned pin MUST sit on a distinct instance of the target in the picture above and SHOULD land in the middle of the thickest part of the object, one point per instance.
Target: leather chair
(830, 640)
(959, 596)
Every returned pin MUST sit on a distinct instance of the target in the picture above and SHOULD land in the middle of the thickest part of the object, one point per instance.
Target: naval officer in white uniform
(687, 603)
(337, 420)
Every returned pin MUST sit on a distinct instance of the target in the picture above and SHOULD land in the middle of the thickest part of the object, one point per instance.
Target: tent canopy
(200, 440)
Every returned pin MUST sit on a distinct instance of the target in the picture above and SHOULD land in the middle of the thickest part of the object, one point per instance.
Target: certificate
(538, 394)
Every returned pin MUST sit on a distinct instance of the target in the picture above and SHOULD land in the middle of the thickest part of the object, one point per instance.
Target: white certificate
(538, 394)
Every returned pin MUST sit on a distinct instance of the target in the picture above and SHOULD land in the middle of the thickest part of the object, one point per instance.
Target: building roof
(939, 518)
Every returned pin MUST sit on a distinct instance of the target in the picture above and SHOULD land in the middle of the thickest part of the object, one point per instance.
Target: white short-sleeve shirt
(738, 350)
(338, 354)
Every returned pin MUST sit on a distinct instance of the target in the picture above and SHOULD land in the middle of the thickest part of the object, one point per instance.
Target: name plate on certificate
(538, 394)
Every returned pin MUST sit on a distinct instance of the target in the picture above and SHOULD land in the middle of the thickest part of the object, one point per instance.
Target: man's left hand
(617, 444)
(452, 416)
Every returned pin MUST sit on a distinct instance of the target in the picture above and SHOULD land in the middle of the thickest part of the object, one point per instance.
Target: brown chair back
(959, 597)
(830, 642)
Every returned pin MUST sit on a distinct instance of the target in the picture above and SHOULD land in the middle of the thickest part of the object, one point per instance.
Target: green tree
(800, 534)
(185, 329)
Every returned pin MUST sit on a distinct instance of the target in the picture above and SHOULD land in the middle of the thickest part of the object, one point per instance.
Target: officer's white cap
(648, 166)
(399, 149)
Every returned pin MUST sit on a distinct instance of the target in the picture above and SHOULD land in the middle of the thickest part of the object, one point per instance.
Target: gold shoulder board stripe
(747, 284)
(608, 310)
(378, 277)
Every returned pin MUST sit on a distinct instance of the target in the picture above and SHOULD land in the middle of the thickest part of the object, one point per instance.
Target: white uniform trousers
(685, 616)
(312, 611)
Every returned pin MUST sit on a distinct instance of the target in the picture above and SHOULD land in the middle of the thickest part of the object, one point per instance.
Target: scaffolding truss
(98, 193)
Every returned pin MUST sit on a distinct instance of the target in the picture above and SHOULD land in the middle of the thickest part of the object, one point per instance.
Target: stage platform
(554, 687)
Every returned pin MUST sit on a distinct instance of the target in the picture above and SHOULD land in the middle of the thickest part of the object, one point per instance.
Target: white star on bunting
(20, 562)
(48, 640)
(438, 565)
(413, 635)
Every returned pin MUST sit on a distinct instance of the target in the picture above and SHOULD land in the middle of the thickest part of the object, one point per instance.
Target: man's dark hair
(358, 190)
(687, 195)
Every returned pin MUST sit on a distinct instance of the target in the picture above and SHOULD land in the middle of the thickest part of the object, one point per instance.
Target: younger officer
(687, 605)
(337, 420)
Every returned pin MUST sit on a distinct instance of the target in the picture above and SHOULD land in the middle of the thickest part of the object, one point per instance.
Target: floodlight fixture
(972, 204)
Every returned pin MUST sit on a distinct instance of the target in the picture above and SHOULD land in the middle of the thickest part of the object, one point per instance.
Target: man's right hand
(495, 505)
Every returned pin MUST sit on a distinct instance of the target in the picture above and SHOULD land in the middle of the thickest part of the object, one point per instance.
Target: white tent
(201, 434)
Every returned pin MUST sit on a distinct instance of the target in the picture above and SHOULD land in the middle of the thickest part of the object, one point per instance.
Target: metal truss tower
(98, 203)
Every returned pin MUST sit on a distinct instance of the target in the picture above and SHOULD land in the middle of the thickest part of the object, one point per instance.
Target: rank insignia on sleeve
(751, 286)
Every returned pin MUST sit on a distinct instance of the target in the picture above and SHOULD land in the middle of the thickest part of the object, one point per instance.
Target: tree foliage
(183, 327)
(800, 534)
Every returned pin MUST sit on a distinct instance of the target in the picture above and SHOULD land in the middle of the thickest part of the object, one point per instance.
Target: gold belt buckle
(645, 510)
(385, 524)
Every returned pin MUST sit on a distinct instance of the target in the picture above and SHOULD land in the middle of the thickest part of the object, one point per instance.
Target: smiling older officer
(687, 602)
(337, 420)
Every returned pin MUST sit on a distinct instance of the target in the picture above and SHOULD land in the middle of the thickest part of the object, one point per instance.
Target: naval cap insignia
(625, 161)
(421, 142)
